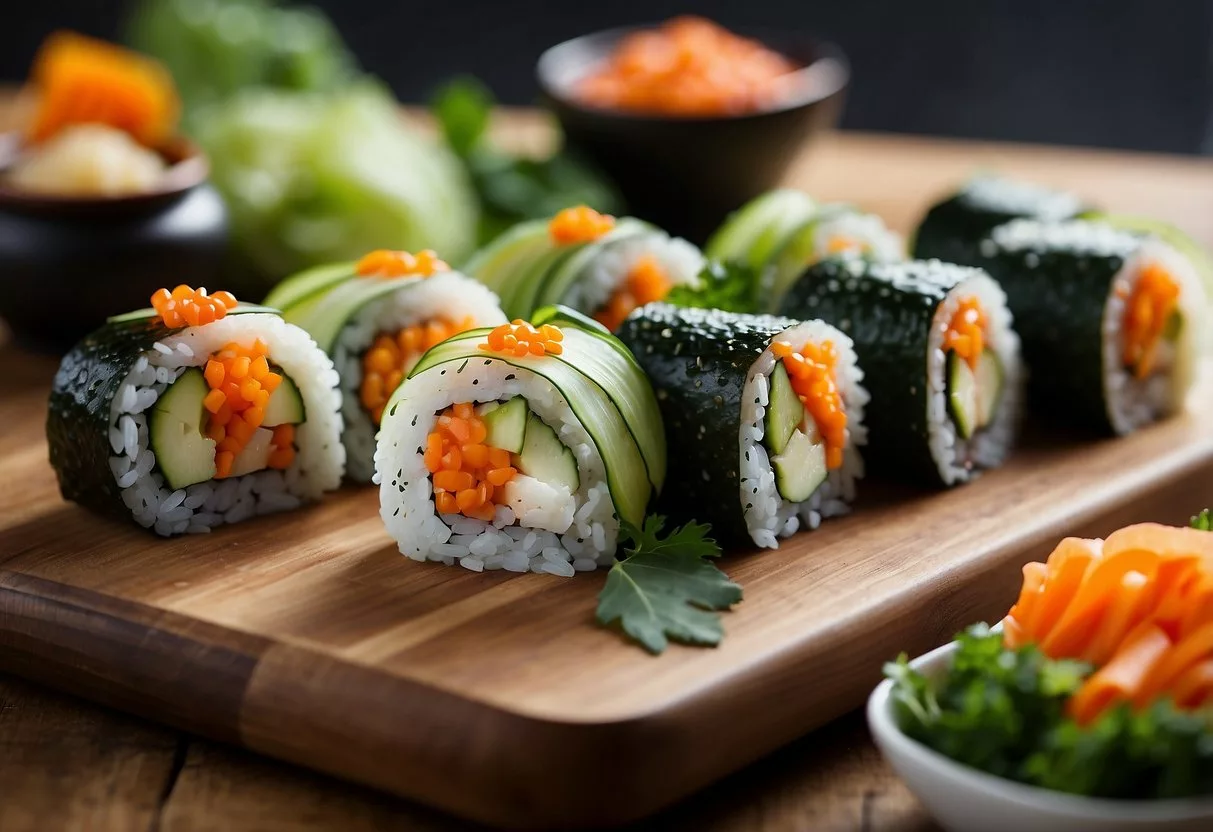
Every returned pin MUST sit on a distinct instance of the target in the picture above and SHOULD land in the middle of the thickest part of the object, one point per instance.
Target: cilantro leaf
(462, 108)
(733, 287)
(1202, 521)
(665, 588)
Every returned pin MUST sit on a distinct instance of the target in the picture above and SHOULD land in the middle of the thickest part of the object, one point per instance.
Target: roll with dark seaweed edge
(594, 263)
(375, 318)
(953, 228)
(193, 413)
(940, 359)
(763, 416)
(520, 447)
(1111, 321)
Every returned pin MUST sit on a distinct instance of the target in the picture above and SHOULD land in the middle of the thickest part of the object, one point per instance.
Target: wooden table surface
(66, 764)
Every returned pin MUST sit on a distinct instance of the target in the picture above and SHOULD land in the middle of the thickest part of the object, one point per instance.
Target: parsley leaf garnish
(733, 287)
(1202, 521)
(665, 588)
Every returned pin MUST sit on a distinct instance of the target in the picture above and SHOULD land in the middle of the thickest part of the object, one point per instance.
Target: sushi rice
(681, 261)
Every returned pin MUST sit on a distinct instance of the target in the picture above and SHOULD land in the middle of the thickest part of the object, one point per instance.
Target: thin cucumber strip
(306, 284)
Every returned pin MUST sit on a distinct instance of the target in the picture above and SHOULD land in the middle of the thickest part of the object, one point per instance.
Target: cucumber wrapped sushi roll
(764, 416)
(783, 232)
(598, 265)
(375, 318)
(521, 448)
(1111, 321)
(940, 357)
(953, 228)
(195, 413)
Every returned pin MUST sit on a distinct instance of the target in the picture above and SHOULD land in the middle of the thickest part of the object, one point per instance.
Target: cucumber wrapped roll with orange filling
(763, 416)
(376, 317)
(941, 360)
(1111, 321)
(194, 413)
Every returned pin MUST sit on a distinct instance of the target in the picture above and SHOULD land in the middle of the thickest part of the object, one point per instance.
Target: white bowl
(963, 798)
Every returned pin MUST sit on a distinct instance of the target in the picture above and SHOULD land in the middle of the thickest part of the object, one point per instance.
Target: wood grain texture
(309, 638)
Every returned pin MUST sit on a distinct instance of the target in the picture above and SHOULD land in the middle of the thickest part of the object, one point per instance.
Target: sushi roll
(520, 447)
(1111, 321)
(596, 264)
(939, 356)
(953, 228)
(764, 418)
(783, 232)
(195, 413)
(376, 318)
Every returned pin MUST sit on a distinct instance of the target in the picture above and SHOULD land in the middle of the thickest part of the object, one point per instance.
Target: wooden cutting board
(309, 638)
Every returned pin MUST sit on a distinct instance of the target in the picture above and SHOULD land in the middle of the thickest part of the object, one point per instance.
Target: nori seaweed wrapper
(888, 310)
(697, 361)
(953, 229)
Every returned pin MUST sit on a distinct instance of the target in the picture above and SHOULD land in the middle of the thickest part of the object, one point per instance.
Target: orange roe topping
(185, 306)
(689, 67)
(241, 382)
(466, 472)
(812, 373)
(80, 80)
(390, 357)
(646, 282)
(1149, 306)
(580, 224)
(385, 263)
(966, 335)
(520, 338)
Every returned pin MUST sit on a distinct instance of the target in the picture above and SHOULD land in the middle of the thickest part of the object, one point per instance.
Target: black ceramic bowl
(686, 173)
(67, 263)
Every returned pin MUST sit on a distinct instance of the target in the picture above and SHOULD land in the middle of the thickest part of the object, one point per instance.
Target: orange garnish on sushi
(390, 357)
(966, 334)
(241, 382)
(646, 282)
(80, 80)
(387, 263)
(812, 374)
(580, 224)
(466, 472)
(186, 306)
(1147, 311)
(520, 338)
(1138, 606)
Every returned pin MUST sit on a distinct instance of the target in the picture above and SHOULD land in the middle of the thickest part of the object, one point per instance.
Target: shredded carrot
(1120, 679)
(812, 372)
(1147, 310)
(688, 66)
(966, 334)
(579, 224)
(186, 306)
(466, 472)
(386, 263)
(1195, 686)
(646, 282)
(520, 338)
(390, 357)
(241, 383)
(80, 80)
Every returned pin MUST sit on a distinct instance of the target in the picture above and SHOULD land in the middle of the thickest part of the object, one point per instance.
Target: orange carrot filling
(812, 372)
(241, 382)
(840, 243)
(689, 66)
(646, 282)
(580, 224)
(1147, 310)
(390, 358)
(466, 472)
(519, 338)
(185, 306)
(1137, 606)
(80, 80)
(966, 334)
(387, 263)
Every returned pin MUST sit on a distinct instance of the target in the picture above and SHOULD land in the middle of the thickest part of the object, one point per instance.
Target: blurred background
(1132, 74)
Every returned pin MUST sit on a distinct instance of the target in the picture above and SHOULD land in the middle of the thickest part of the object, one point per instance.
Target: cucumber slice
(254, 456)
(801, 468)
(755, 231)
(785, 411)
(560, 279)
(183, 454)
(494, 264)
(545, 457)
(285, 406)
(324, 316)
(506, 423)
(1174, 326)
(989, 378)
(307, 284)
(962, 395)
